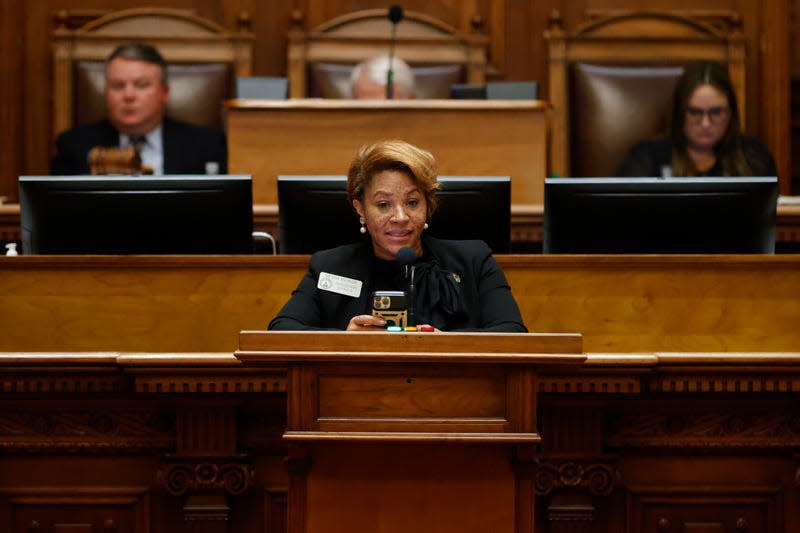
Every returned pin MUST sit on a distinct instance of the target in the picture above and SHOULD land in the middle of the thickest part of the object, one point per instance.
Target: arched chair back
(611, 81)
(203, 61)
(320, 61)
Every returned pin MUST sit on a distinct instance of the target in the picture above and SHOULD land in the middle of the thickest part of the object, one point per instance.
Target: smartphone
(391, 306)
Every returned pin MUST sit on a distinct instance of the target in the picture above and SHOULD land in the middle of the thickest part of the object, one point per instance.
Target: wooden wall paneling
(775, 75)
(794, 24)
(12, 49)
(794, 54)
(522, 40)
(456, 14)
(315, 12)
(489, 17)
(765, 28)
(36, 139)
(270, 21)
(215, 10)
(461, 13)
(496, 27)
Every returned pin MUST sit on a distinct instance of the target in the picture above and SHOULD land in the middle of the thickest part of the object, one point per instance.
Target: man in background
(368, 79)
(136, 93)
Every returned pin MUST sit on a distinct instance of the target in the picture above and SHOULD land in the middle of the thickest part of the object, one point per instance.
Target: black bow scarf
(439, 299)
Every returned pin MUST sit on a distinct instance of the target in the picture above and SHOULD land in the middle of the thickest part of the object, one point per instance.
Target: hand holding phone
(391, 306)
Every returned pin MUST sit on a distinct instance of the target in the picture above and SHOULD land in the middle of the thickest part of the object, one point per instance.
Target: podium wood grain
(411, 431)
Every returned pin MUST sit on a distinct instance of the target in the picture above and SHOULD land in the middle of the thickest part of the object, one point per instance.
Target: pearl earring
(363, 228)
(425, 226)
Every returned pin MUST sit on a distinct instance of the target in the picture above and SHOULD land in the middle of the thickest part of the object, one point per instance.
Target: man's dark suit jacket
(187, 147)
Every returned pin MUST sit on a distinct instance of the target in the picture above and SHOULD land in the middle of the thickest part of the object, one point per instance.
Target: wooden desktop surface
(320, 137)
(201, 303)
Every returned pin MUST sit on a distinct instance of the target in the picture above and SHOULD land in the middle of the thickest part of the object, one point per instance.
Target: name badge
(339, 284)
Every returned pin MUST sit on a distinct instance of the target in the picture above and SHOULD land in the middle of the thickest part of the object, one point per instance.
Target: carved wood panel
(78, 509)
(704, 510)
(602, 454)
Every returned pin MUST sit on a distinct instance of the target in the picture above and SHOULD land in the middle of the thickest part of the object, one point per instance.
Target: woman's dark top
(458, 287)
(647, 158)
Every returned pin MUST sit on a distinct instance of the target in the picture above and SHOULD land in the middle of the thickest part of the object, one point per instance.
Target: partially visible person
(458, 284)
(136, 94)
(704, 137)
(368, 79)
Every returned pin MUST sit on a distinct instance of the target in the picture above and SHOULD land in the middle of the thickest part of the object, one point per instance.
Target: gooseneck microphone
(405, 258)
(395, 16)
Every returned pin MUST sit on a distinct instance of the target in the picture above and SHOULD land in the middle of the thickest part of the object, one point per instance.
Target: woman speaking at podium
(437, 284)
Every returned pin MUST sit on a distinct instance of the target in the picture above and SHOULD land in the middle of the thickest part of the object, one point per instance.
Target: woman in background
(704, 137)
(458, 284)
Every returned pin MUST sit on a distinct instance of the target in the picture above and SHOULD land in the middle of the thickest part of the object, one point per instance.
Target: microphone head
(395, 14)
(405, 256)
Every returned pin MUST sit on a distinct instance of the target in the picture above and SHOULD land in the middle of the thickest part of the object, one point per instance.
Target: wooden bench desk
(321, 137)
(200, 303)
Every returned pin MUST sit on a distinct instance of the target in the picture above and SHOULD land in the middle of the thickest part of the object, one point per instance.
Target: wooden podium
(398, 432)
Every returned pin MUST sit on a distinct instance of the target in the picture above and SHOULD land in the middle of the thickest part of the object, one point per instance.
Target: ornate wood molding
(233, 476)
(598, 478)
(724, 427)
(589, 385)
(86, 430)
(171, 384)
(751, 383)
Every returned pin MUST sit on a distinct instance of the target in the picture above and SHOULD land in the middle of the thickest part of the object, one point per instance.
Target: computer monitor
(468, 91)
(495, 90)
(660, 216)
(512, 90)
(314, 213)
(262, 87)
(136, 214)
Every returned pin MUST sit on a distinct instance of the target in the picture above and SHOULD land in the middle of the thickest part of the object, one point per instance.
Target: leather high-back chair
(611, 81)
(203, 61)
(320, 60)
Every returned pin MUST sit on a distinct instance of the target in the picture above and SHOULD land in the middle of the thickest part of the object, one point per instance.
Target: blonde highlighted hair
(397, 155)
